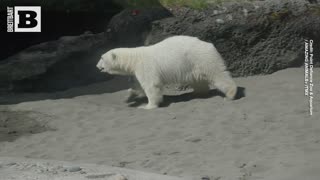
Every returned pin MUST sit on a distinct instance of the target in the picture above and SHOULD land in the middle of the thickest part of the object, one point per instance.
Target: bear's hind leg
(135, 92)
(224, 82)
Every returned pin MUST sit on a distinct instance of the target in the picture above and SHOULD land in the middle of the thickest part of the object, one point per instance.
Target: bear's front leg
(135, 92)
(152, 86)
(225, 83)
(154, 96)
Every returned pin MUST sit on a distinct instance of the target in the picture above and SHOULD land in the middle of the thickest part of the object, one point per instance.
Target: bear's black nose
(99, 66)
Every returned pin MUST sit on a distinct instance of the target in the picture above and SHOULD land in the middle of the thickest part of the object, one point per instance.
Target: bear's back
(181, 40)
(182, 45)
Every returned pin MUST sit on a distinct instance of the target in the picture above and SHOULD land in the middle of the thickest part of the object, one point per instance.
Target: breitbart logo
(24, 19)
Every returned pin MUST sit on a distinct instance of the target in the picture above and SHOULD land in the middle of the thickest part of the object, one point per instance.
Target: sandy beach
(266, 135)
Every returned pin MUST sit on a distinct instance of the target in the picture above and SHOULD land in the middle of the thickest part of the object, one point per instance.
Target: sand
(268, 134)
(32, 169)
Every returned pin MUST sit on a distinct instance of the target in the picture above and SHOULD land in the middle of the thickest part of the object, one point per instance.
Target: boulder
(59, 18)
(254, 38)
(130, 27)
(56, 65)
(71, 60)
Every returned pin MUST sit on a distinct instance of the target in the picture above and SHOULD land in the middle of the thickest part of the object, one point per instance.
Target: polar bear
(175, 60)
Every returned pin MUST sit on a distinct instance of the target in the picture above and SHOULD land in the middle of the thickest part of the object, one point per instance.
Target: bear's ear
(114, 56)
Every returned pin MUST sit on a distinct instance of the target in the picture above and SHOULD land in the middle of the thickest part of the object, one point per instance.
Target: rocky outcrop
(59, 18)
(130, 27)
(55, 65)
(254, 38)
(71, 60)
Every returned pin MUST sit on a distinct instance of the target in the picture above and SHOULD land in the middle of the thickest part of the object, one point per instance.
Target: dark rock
(258, 40)
(194, 139)
(205, 178)
(99, 176)
(11, 164)
(130, 27)
(55, 65)
(313, 1)
(59, 18)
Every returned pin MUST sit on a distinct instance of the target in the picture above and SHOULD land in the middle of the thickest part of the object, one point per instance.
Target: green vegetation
(137, 3)
(280, 15)
(315, 10)
(196, 4)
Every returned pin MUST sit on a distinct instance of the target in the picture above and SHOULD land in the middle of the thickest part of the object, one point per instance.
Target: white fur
(178, 59)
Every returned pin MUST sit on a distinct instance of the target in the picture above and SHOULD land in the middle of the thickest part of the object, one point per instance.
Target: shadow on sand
(167, 100)
(113, 85)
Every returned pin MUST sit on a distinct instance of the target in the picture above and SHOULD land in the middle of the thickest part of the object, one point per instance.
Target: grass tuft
(195, 4)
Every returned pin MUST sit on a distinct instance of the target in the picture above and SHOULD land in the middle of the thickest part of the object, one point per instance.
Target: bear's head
(109, 63)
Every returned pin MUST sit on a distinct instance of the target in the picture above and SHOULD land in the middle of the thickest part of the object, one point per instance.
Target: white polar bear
(176, 60)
